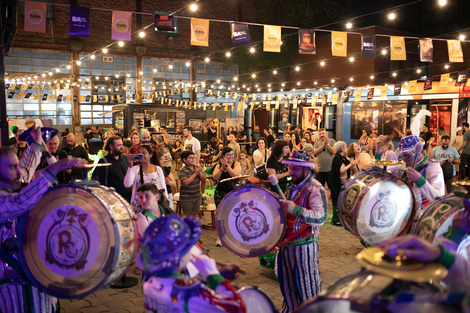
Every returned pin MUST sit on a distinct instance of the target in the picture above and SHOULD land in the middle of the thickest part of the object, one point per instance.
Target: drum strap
(299, 232)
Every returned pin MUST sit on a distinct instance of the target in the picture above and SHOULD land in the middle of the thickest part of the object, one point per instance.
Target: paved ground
(338, 249)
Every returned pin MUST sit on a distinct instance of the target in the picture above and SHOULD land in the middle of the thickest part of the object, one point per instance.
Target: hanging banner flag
(383, 91)
(35, 16)
(199, 32)
(345, 97)
(370, 93)
(368, 46)
(272, 38)
(79, 23)
(412, 85)
(240, 33)
(397, 89)
(164, 23)
(307, 41)
(426, 50)
(315, 99)
(276, 105)
(334, 99)
(397, 48)
(428, 84)
(444, 80)
(268, 106)
(122, 21)
(463, 76)
(455, 51)
(358, 95)
(339, 44)
(36, 96)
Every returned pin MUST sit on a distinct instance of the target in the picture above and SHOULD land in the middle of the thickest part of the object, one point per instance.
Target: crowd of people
(141, 169)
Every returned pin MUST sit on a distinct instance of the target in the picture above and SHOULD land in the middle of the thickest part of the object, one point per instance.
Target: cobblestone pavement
(338, 249)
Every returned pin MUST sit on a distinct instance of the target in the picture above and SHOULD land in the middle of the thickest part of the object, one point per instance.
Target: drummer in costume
(427, 179)
(306, 209)
(16, 294)
(164, 253)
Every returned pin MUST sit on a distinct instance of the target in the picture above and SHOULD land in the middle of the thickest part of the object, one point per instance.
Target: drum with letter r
(376, 206)
(250, 221)
(438, 221)
(366, 292)
(73, 241)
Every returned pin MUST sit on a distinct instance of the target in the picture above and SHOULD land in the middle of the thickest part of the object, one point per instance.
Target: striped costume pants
(298, 274)
(18, 298)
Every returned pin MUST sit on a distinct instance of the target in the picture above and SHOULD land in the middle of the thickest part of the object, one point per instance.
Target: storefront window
(382, 117)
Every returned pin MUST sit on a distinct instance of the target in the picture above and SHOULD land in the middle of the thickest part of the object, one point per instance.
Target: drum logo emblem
(250, 221)
(383, 212)
(68, 240)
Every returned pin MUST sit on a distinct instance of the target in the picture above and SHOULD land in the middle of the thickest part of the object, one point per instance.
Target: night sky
(424, 18)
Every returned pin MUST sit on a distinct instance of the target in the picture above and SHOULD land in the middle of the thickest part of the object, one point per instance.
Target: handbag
(261, 171)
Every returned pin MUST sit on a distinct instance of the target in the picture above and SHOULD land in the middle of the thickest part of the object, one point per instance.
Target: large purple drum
(375, 205)
(74, 241)
(250, 221)
(439, 223)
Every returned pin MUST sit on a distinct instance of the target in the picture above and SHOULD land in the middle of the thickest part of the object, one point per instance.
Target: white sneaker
(218, 243)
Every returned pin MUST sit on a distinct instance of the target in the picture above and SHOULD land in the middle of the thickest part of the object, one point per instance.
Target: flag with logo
(368, 46)
(412, 86)
(307, 41)
(79, 24)
(339, 44)
(272, 38)
(199, 32)
(164, 23)
(397, 89)
(426, 50)
(455, 51)
(240, 33)
(383, 91)
(35, 16)
(397, 48)
(444, 80)
(358, 95)
(463, 76)
(122, 21)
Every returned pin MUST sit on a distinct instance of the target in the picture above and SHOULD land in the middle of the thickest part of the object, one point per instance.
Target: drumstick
(418, 149)
(275, 182)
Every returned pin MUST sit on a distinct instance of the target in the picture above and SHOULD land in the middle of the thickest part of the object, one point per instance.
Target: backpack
(447, 170)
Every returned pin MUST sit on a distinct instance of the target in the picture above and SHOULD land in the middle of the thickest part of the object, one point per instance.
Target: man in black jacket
(77, 151)
(113, 175)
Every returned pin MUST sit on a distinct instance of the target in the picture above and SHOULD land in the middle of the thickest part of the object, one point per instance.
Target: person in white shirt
(192, 143)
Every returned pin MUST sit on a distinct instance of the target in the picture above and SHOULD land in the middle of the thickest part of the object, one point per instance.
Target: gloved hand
(205, 265)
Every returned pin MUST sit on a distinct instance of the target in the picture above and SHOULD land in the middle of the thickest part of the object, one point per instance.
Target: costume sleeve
(457, 277)
(131, 173)
(318, 205)
(30, 161)
(14, 205)
(433, 185)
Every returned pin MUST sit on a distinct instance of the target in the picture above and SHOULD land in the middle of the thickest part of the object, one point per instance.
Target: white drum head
(250, 221)
(256, 301)
(385, 211)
